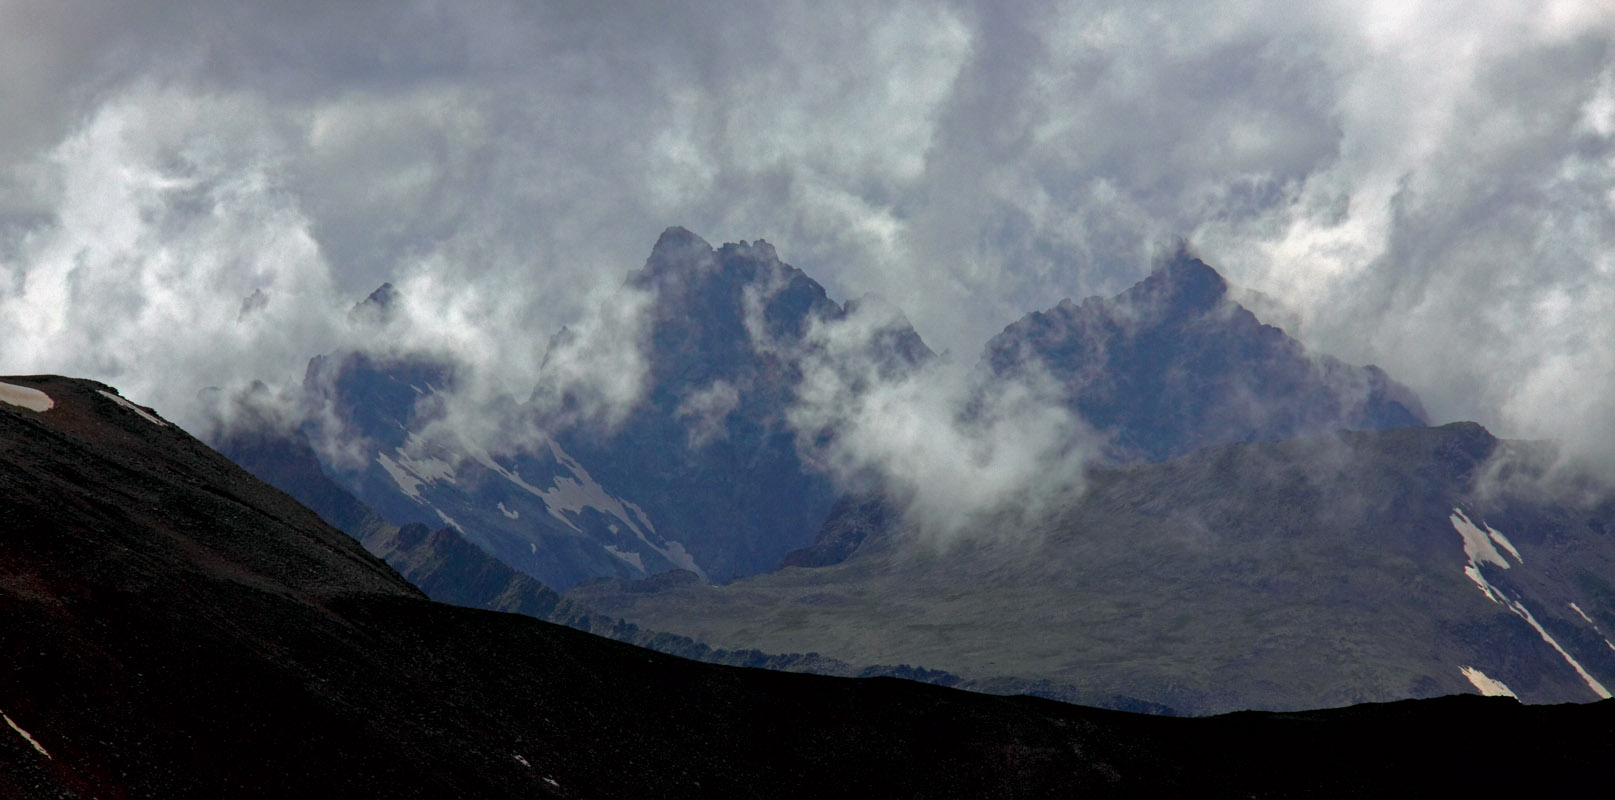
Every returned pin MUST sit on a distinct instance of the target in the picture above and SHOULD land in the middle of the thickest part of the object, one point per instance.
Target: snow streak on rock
(1485, 685)
(568, 497)
(132, 407)
(24, 734)
(410, 472)
(1478, 547)
(29, 398)
(1600, 631)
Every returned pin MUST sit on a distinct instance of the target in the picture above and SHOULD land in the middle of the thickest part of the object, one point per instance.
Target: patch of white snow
(676, 553)
(1478, 546)
(1577, 609)
(1499, 538)
(1599, 630)
(26, 397)
(1485, 685)
(132, 407)
(507, 512)
(448, 520)
(580, 492)
(521, 761)
(571, 495)
(406, 482)
(632, 558)
(411, 473)
(24, 734)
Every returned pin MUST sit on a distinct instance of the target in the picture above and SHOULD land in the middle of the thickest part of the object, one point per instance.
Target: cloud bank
(195, 194)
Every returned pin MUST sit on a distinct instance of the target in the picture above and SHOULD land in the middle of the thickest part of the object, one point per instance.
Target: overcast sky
(1426, 186)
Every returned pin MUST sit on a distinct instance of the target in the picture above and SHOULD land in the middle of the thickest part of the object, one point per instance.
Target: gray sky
(1427, 186)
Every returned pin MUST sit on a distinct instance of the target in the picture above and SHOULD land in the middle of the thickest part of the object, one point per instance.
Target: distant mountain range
(1262, 527)
(706, 474)
(703, 475)
(174, 627)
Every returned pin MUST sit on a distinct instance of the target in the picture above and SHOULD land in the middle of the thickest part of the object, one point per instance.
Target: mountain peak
(676, 244)
(1179, 285)
(376, 308)
(1174, 364)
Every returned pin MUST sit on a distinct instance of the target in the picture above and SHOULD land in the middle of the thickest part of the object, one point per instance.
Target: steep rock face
(704, 474)
(536, 508)
(1173, 364)
(853, 520)
(709, 454)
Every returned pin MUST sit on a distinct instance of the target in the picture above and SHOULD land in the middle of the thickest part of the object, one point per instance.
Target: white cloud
(943, 441)
(1431, 186)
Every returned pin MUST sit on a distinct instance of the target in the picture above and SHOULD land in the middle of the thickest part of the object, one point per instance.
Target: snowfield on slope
(1478, 547)
(132, 407)
(31, 399)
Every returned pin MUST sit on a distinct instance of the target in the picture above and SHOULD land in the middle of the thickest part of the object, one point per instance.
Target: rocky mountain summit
(704, 474)
(1174, 364)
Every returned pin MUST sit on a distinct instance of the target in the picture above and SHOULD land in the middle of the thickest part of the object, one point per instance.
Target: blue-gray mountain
(703, 474)
(1214, 573)
(706, 474)
(1174, 364)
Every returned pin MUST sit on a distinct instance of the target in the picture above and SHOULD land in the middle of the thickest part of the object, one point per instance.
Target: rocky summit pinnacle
(676, 250)
(1173, 364)
(1182, 285)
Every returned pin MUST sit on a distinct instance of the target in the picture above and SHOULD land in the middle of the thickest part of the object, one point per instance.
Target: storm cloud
(195, 194)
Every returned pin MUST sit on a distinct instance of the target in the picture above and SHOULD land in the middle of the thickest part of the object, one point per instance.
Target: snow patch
(411, 473)
(507, 512)
(521, 761)
(1499, 538)
(406, 482)
(1485, 685)
(1577, 609)
(632, 558)
(1596, 629)
(24, 734)
(26, 397)
(571, 495)
(448, 520)
(1478, 547)
(132, 407)
(581, 491)
(676, 553)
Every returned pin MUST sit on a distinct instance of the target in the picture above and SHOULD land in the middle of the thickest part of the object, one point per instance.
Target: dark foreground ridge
(175, 628)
